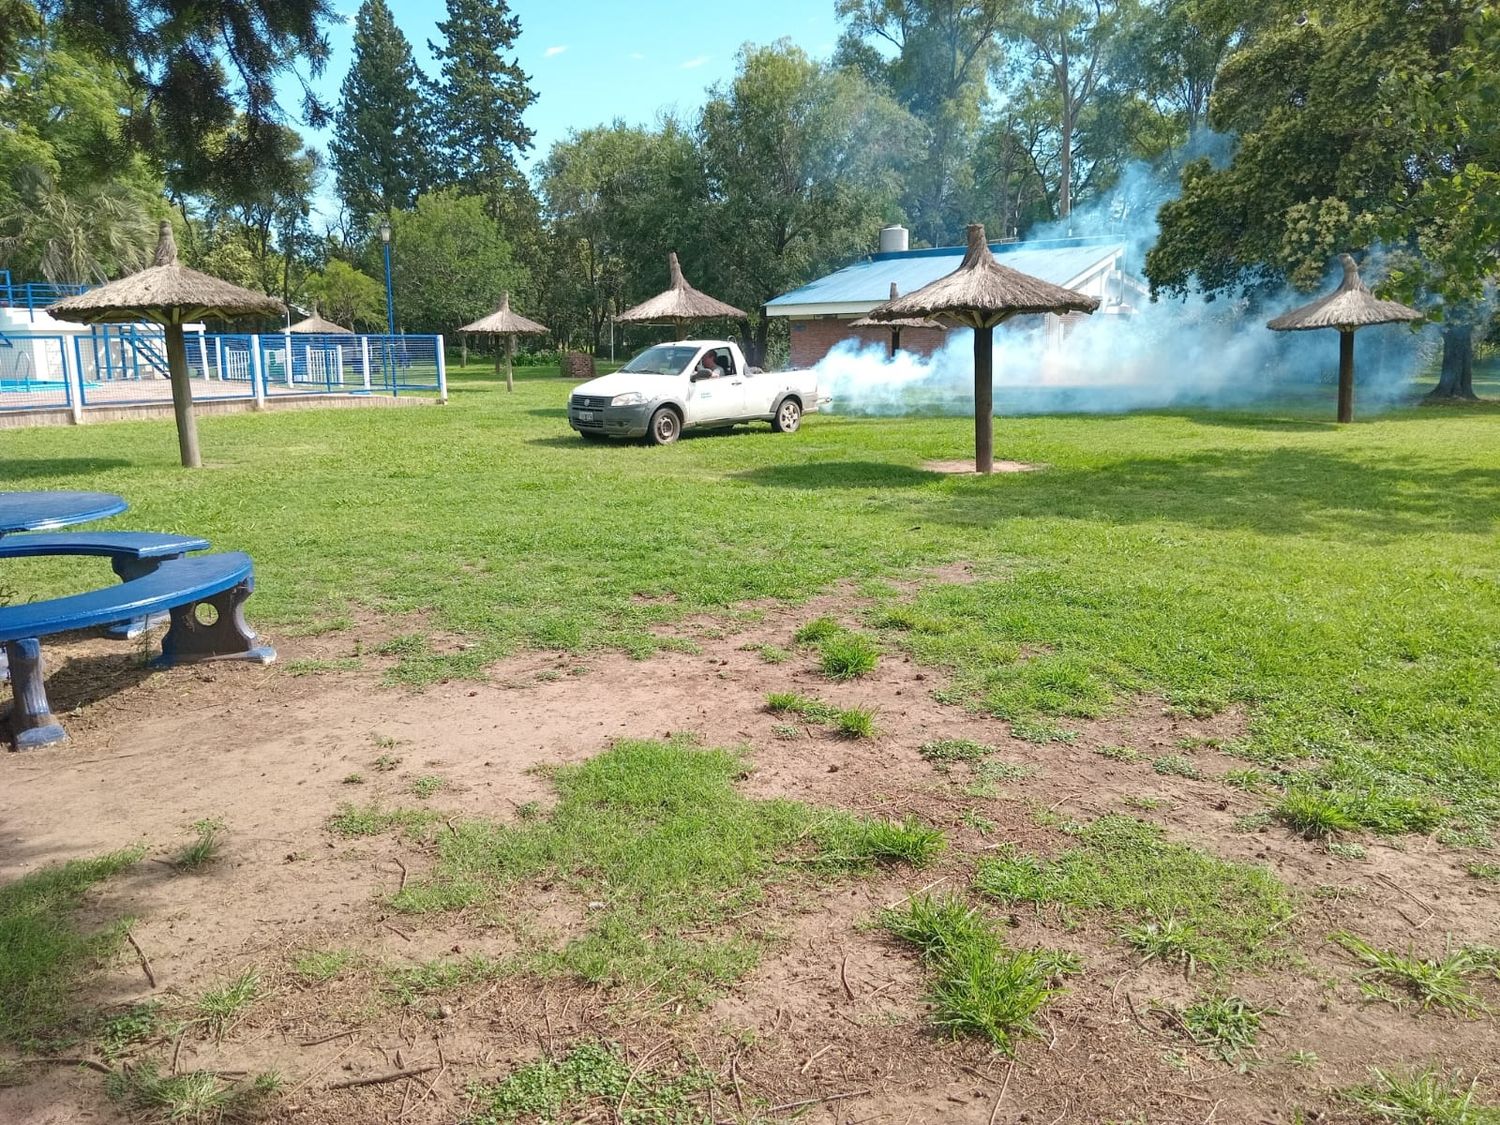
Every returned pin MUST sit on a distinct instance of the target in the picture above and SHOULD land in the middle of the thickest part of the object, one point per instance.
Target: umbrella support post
(182, 397)
(1346, 376)
(510, 362)
(895, 341)
(984, 400)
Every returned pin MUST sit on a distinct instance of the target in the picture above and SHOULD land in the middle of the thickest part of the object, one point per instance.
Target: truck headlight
(629, 398)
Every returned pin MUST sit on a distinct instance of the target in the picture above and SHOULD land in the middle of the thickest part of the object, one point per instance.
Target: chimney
(894, 240)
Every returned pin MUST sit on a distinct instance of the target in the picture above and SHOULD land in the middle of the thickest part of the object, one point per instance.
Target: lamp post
(390, 300)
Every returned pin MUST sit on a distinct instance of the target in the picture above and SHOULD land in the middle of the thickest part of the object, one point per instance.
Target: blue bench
(131, 554)
(204, 594)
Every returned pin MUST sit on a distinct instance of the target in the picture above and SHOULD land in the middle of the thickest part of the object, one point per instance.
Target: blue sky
(592, 61)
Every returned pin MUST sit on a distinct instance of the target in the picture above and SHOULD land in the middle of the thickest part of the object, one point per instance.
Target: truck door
(721, 397)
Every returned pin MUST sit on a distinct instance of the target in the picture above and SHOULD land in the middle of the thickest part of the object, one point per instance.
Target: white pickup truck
(673, 387)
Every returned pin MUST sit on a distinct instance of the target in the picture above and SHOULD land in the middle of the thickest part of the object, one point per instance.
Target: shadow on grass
(1272, 492)
(31, 468)
(839, 474)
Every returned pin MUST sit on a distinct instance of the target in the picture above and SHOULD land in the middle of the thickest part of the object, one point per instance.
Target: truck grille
(589, 402)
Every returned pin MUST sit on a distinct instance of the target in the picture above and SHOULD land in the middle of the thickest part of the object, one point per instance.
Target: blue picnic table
(44, 511)
(203, 596)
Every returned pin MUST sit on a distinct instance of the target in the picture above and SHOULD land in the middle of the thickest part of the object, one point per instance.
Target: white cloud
(637, 56)
(553, 52)
(695, 63)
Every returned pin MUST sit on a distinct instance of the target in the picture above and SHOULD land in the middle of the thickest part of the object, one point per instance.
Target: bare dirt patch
(835, 1006)
(966, 468)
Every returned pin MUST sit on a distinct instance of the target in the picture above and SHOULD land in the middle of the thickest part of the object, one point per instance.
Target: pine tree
(482, 96)
(383, 139)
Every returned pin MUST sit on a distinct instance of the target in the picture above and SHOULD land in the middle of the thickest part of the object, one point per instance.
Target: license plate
(585, 415)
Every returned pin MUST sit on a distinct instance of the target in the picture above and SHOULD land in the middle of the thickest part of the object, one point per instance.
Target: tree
(617, 199)
(195, 68)
(1069, 43)
(1341, 115)
(802, 165)
(76, 204)
(450, 262)
(382, 143)
(483, 95)
(945, 51)
(348, 297)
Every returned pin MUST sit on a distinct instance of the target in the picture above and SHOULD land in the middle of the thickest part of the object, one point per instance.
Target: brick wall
(814, 339)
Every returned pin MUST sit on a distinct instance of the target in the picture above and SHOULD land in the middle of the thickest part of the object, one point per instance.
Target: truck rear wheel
(665, 428)
(788, 417)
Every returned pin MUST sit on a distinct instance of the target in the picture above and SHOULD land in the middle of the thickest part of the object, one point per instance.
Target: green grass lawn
(1340, 583)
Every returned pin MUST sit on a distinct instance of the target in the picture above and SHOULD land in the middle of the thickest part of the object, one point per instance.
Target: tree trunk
(1346, 376)
(1456, 380)
(762, 342)
(984, 400)
(182, 398)
(1065, 91)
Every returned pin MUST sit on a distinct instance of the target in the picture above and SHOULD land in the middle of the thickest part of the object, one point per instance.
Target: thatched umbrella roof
(679, 303)
(869, 321)
(980, 294)
(503, 322)
(171, 295)
(165, 292)
(316, 325)
(1349, 307)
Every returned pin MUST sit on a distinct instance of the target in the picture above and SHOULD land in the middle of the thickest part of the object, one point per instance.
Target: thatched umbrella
(679, 304)
(895, 326)
(315, 325)
(980, 294)
(503, 322)
(1349, 307)
(171, 295)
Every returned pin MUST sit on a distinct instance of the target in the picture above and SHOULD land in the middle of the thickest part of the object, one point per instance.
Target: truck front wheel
(788, 417)
(665, 428)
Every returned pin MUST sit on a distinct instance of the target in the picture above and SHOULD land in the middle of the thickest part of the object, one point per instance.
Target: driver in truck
(708, 366)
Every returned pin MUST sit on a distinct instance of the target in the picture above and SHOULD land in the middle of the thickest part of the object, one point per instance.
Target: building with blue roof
(820, 313)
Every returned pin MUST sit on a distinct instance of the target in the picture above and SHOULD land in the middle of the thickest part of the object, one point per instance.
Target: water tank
(894, 240)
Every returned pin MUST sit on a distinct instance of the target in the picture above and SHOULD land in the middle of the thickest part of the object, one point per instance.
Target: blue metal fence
(33, 296)
(124, 365)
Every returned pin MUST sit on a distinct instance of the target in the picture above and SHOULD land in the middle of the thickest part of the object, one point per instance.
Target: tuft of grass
(979, 987)
(1423, 1098)
(855, 722)
(1170, 940)
(853, 842)
(1119, 753)
(816, 631)
(1490, 871)
(386, 762)
(954, 750)
(205, 849)
(677, 858)
(1350, 850)
(1320, 813)
(593, 1079)
(1433, 983)
(1227, 1025)
(1125, 869)
(1250, 780)
(773, 655)
(353, 779)
(410, 983)
(219, 1008)
(317, 667)
(849, 656)
(198, 1097)
(1175, 765)
(316, 966)
(1304, 1059)
(428, 786)
(43, 954)
(787, 731)
(1313, 815)
(1032, 730)
(352, 821)
(790, 703)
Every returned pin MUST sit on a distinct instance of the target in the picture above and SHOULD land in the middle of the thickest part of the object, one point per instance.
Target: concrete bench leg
(213, 629)
(138, 568)
(31, 720)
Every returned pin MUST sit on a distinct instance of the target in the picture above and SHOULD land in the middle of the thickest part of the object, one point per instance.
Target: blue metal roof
(868, 281)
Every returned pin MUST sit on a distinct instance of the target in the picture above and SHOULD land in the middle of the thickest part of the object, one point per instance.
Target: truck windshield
(664, 359)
